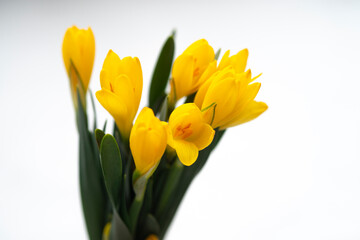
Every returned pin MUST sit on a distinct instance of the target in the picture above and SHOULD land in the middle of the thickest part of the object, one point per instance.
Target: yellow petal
(208, 113)
(111, 65)
(79, 47)
(68, 46)
(239, 60)
(116, 107)
(204, 137)
(224, 93)
(195, 46)
(225, 60)
(182, 74)
(148, 140)
(186, 151)
(252, 111)
(132, 68)
(204, 55)
(246, 95)
(122, 86)
(105, 79)
(254, 78)
(186, 112)
(200, 95)
(210, 70)
(145, 116)
(170, 139)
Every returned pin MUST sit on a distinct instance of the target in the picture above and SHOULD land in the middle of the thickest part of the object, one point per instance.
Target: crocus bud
(148, 140)
(188, 69)
(188, 132)
(78, 53)
(121, 86)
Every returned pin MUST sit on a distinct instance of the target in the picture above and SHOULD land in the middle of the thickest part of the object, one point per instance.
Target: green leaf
(92, 189)
(93, 107)
(161, 74)
(148, 226)
(217, 54)
(104, 127)
(99, 136)
(112, 168)
(118, 229)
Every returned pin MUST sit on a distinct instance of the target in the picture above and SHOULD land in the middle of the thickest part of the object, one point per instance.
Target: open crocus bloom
(188, 132)
(227, 99)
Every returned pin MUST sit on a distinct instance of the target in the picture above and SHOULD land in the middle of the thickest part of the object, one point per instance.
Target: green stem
(170, 186)
(139, 187)
(134, 212)
(170, 109)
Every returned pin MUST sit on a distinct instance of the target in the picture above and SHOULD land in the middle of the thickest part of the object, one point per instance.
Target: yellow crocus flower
(228, 99)
(121, 86)
(148, 140)
(188, 69)
(188, 132)
(78, 53)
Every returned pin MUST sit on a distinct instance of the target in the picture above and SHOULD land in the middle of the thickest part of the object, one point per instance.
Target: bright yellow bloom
(121, 86)
(228, 98)
(188, 69)
(148, 140)
(79, 49)
(188, 132)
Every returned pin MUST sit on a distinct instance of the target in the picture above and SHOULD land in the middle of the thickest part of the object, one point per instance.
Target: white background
(293, 173)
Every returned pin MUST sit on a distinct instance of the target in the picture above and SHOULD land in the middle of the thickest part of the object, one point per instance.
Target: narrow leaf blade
(161, 74)
(92, 188)
(111, 165)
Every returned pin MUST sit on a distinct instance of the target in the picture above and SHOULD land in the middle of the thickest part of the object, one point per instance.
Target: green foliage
(92, 189)
(161, 74)
(112, 168)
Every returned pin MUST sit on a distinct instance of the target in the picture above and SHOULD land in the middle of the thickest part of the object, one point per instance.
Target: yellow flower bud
(148, 140)
(228, 98)
(121, 86)
(188, 132)
(188, 69)
(78, 53)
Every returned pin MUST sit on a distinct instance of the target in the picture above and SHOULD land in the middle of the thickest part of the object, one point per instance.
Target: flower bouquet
(133, 180)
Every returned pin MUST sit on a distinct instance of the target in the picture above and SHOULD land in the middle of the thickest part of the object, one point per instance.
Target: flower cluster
(224, 98)
(218, 96)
